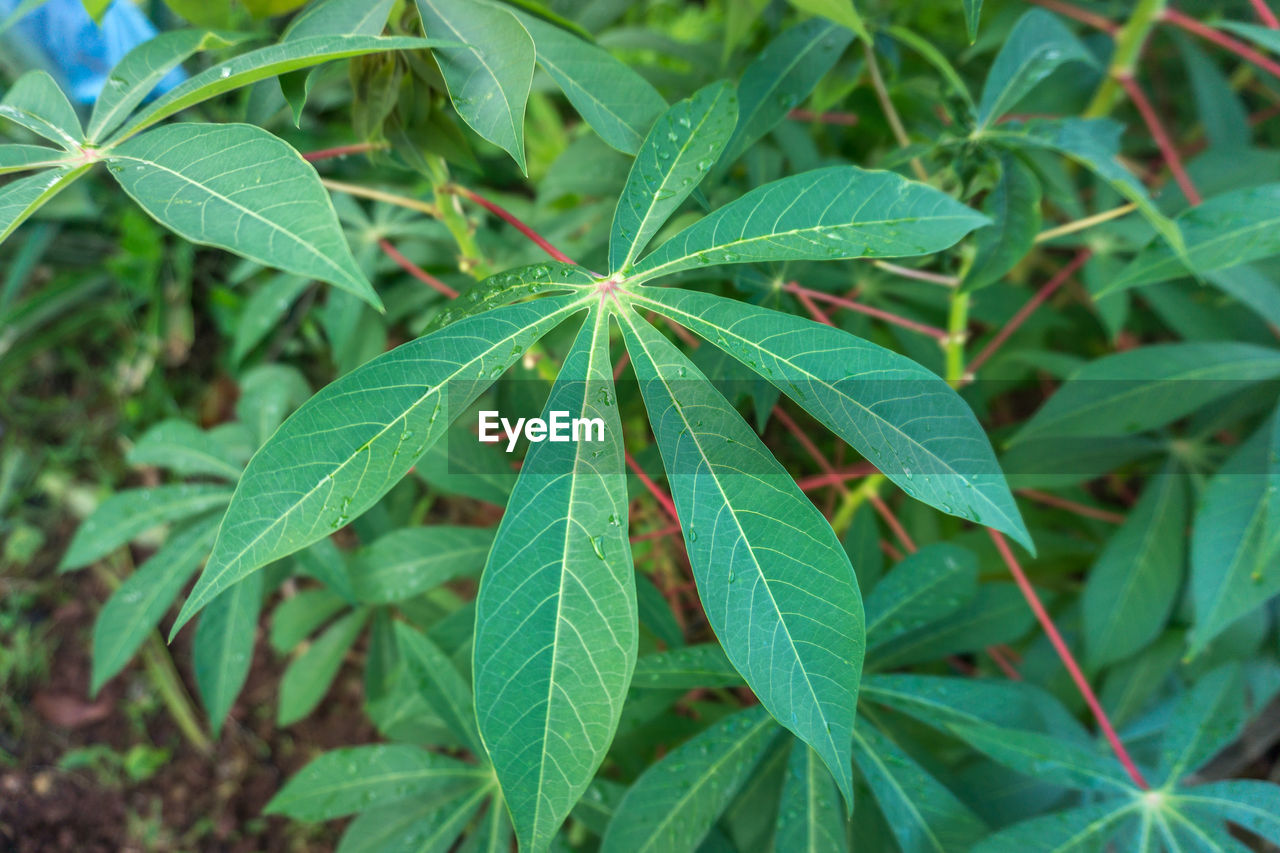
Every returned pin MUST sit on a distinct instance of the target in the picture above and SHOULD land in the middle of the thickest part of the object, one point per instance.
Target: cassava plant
(670, 640)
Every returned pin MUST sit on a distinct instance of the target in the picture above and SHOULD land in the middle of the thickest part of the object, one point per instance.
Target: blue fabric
(80, 51)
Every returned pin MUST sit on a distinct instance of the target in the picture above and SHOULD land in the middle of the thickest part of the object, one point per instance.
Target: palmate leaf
(412, 560)
(618, 103)
(556, 613)
(933, 582)
(439, 684)
(1014, 208)
(141, 69)
(375, 422)
(825, 214)
(703, 665)
(924, 438)
(185, 449)
(1047, 758)
(843, 12)
(428, 825)
(346, 781)
(35, 102)
(239, 188)
(1132, 587)
(1037, 46)
(309, 675)
(676, 801)
(1204, 720)
(1086, 828)
(489, 76)
(223, 649)
(1251, 803)
(683, 145)
(270, 61)
(789, 616)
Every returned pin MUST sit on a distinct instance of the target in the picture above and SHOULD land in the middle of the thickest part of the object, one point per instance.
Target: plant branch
(813, 309)
(1221, 39)
(888, 317)
(918, 275)
(899, 532)
(1026, 310)
(891, 114)
(1130, 40)
(416, 271)
(512, 220)
(1072, 506)
(842, 119)
(1084, 16)
(1069, 661)
(809, 447)
(343, 151)
(1167, 149)
(841, 475)
(378, 195)
(663, 499)
(1265, 14)
(1087, 222)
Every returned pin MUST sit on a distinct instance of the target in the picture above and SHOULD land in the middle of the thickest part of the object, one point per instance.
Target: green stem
(1129, 41)
(470, 260)
(957, 336)
(852, 501)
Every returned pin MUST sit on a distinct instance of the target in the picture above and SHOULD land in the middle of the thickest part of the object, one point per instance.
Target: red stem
(843, 119)
(1006, 667)
(1221, 39)
(1084, 16)
(1064, 653)
(342, 151)
(1026, 310)
(511, 219)
(657, 534)
(818, 481)
(1072, 506)
(1265, 14)
(932, 331)
(1167, 149)
(813, 309)
(416, 271)
(892, 520)
(808, 445)
(663, 499)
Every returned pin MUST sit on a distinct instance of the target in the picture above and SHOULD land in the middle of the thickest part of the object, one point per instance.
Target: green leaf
(1205, 719)
(809, 814)
(136, 75)
(490, 75)
(561, 579)
(267, 394)
(789, 618)
(676, 801)
(942, 701)
(412, 560)
(309, 675)
(1222, 232)
(428, 826)
(998, 614)
(1250, 803)
(183, 448)
(1263, 37)
(126, 515)
(21, 158)
(826, 214)
(193, 179)
(1132, 587)
(1038, 44)
(906, 421)
(1014, 209)
(21, 198)
(1079, 830)
(1231, 573)
(136, 607)
(264, 311)
(934, 57)
(295, 618)
(224, 647)
(681, 148)
(440, 684)
(512, 286)
(1046, 758)
(686, 668)
(376, 421)
(1146, 388)
(96, 9)
(35, 102)
(345, 781)
(339, 17)
(842, 12)
(922, 813)
(932, 583)
(1094, 144)
(260, 64)
(781, 77)
(972, 13)
(618, 103)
